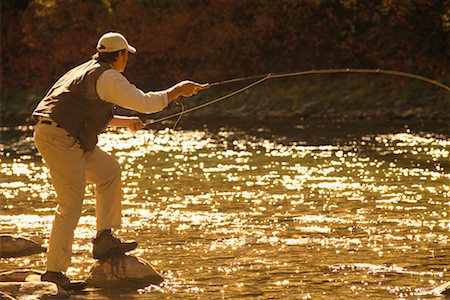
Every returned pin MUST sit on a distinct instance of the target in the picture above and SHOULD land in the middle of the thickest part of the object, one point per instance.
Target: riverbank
(319, 97)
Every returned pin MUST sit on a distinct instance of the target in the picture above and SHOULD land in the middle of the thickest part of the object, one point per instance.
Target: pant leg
(65, 159)
(104, 171)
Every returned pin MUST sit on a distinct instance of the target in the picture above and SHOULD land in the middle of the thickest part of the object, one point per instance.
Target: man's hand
(132, 123)
(185, 89)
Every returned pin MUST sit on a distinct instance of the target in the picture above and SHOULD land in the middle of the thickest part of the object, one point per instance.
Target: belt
(49, 122)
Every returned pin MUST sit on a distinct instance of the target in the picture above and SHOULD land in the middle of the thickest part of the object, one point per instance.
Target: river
(277, 210)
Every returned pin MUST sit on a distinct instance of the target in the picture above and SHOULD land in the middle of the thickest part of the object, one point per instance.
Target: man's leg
(65, 160)
(104, 171)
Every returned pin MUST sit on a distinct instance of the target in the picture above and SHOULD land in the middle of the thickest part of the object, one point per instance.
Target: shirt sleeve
(113, 87)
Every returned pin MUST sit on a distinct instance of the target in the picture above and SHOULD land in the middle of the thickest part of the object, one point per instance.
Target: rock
(6, 296)
(33, 277)
(18, 275)
(443, 289)
(123, 272)
(32, 290)
(16, 246)
(37, 239)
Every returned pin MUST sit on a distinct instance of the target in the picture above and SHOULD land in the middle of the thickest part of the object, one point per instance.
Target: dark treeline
(209, 40)
(215, 39)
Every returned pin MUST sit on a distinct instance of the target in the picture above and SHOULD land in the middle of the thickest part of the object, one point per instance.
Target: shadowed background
(210, 40)
(294, 205)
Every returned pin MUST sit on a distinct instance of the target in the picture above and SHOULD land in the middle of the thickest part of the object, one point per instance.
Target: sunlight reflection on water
(232, 214)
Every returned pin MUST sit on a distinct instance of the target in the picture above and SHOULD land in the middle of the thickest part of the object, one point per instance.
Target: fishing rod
(263, 77)
(335, 71)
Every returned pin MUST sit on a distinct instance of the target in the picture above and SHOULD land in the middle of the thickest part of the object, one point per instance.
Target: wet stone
(18, 275)
(123, 272)
(443, 289)
(32, 290)
(17, 246)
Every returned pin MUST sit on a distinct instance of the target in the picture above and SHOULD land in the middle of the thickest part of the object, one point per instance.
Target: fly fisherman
(69, 119)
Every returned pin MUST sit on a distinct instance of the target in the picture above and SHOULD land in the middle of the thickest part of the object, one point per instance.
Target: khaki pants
(70, 169)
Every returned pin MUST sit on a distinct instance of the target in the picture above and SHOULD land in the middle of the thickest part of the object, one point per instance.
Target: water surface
(269, 211)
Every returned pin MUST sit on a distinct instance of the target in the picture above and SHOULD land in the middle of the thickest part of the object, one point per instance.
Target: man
(72, 114)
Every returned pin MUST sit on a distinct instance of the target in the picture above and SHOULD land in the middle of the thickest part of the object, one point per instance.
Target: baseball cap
(112, 42)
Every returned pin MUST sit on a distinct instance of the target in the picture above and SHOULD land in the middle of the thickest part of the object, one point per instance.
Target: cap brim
(131, 49)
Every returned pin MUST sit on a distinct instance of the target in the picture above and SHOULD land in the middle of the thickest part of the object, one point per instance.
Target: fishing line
(263, 77)
(181, 114)
(208, 103)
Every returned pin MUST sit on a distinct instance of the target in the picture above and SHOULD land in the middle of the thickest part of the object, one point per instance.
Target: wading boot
(106, 246)
(62, 281)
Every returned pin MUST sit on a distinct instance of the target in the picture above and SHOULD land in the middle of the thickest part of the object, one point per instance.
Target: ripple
(228, 214)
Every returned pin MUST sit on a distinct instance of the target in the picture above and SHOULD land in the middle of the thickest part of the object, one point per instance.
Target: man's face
(122, 60)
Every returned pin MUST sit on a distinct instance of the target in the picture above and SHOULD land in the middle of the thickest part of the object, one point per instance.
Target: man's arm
(113, 87)
(182, 89)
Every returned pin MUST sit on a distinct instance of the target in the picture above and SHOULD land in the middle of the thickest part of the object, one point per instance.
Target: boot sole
(72, 286)
(114, 252)
(75, 286)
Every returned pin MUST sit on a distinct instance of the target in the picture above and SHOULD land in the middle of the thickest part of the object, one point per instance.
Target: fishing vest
(74, 104)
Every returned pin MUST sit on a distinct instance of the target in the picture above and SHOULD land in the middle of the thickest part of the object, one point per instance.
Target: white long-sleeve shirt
(113, 87)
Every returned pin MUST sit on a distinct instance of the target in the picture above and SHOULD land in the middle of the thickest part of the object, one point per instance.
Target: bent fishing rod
(264, 77)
